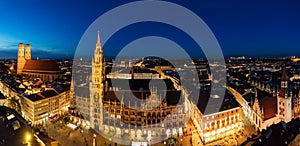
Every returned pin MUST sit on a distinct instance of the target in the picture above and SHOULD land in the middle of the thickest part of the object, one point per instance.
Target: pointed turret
(98, 44)
(255, 92)
(283, 77)
(262, 112)
(284, 85)
(255, 105)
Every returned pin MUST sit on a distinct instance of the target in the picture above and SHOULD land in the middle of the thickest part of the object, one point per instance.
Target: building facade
(218, 125)
(276, 106)
(41, 107)
(8, 91)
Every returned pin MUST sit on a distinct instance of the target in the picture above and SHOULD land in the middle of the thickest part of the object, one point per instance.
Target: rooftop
(41, 66)
(172, 97)
(269, 105)
(2, 96)
(228, 101)
(34, 97)
(43, 95)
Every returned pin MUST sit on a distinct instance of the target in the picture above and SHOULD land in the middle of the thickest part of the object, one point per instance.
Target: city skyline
(251, 29)
(149, 72)
(150, 101)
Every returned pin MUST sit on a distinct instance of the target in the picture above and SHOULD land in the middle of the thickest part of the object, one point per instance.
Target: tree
(14, 103)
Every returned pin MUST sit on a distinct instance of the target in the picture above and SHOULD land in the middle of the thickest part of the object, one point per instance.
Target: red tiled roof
(41, 65)
(283, 77)
(269, 106)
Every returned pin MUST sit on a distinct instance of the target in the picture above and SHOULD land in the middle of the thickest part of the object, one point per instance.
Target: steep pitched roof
(283, 77)
(41, 66)
(269, 106)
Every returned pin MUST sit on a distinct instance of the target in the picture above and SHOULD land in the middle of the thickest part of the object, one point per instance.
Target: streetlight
(28, 137)
(94, 139)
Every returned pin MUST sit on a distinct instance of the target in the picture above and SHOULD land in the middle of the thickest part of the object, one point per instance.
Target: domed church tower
(28, 52)
(21, 58)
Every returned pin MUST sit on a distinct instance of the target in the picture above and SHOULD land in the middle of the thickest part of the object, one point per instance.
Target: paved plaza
(83, 137)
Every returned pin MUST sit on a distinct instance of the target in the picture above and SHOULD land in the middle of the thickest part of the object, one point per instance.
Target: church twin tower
(23, 55)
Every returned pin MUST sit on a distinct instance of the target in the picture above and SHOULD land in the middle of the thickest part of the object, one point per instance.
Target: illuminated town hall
(117, 117)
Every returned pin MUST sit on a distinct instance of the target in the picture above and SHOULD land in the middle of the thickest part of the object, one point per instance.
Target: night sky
(253, 28)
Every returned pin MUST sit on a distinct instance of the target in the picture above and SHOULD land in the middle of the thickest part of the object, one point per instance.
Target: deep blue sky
(53, 28)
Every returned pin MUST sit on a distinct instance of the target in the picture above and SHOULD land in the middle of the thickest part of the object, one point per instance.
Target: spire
(98, 44)
(262, 112)
(98, 40)
(255, 92)
(283, 77)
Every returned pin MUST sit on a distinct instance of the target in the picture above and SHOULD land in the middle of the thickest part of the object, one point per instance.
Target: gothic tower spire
(97, 87)
(98, 44)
